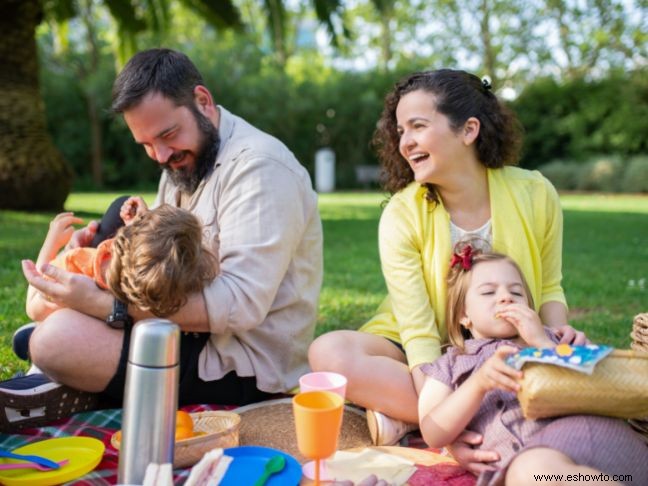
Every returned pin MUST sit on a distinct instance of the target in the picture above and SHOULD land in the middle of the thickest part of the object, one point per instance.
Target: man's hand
(570, 335)
(83, 237)
(67, 289)
(475, 461)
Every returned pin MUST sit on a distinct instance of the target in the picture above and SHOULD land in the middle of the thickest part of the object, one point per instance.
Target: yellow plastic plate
(84, 453)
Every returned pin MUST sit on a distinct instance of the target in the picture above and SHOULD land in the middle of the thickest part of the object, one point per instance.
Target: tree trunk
(33, 173)
(490, 61)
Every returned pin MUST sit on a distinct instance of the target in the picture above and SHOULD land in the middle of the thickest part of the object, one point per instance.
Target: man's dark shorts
(229, 390)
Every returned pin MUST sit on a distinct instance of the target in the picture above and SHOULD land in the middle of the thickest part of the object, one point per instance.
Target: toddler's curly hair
(159, 259)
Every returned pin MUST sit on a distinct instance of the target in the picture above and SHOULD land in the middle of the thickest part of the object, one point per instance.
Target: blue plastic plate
(249, 463)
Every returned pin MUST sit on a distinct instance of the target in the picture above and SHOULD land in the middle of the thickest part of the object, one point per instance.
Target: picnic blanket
(102, 424)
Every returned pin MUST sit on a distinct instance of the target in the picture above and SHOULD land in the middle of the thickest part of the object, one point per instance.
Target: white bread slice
(158, 475)
(210, 470)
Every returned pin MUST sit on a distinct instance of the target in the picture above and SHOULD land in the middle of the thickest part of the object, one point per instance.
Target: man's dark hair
(170, 73)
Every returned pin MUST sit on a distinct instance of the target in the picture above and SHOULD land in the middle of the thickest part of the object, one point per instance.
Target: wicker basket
(639, 337)
(221, 430)
(618, 387)
(639, 332)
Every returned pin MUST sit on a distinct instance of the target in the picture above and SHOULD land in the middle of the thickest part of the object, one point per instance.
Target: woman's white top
(482, 237)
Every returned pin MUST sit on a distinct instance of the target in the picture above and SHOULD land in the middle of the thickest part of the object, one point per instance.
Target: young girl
(154, 262)
(490, 316)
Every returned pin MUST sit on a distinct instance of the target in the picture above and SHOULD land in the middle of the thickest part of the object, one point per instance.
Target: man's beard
(188, 178)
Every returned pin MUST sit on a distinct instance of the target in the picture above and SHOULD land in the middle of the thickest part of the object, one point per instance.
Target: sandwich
(210, 470)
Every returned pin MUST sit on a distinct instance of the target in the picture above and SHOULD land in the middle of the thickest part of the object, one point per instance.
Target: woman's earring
(465, 322)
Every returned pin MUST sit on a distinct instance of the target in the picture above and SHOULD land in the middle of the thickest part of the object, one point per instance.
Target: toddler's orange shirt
(87, 261)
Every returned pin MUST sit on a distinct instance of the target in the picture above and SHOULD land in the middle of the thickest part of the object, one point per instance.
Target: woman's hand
(495, 373)
(474, 460)
(60, 231)
(528, 324)
(132, 207)
(569, 335)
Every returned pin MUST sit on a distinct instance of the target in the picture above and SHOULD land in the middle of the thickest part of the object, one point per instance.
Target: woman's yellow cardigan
(415, 251)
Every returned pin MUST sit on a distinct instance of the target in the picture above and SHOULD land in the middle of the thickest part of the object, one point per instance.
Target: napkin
(355, 466)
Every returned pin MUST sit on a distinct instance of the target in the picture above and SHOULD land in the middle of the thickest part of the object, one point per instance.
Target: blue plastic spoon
(43, 461)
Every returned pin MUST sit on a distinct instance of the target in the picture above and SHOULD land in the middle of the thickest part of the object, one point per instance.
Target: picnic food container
(215, 429)
(150, 398)
(618, 387)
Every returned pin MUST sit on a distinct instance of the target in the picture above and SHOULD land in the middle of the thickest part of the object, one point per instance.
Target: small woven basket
(221, 430)
(618, 387)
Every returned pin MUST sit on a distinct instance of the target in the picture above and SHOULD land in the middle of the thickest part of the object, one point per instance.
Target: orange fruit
(184, 425)
(184, 420)
(183, 433)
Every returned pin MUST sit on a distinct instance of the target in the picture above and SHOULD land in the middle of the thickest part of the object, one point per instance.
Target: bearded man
(245, 336)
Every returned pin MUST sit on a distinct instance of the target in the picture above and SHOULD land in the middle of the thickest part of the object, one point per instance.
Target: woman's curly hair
(458, 95)
(159, 259)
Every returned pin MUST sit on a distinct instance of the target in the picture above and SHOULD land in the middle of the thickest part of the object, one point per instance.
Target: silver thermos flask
(150, 399)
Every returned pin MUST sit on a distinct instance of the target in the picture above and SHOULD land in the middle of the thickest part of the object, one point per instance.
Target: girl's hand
(495, 373)
(60, 231)
(132, 207)
(528, 324)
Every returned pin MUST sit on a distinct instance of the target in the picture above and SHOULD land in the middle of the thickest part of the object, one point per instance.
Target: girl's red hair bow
(464, 258)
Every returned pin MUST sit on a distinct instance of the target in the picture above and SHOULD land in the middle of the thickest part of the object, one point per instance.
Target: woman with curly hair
(447, 146)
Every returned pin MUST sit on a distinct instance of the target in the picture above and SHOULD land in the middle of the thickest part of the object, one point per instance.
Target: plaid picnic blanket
(100, 424)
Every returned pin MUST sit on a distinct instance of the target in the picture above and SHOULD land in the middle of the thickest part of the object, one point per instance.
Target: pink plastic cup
(323, 381)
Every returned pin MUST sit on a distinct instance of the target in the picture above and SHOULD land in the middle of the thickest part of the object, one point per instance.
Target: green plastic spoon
(273, 466)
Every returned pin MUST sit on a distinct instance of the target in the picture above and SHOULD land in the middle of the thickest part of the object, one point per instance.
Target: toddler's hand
(61, 230)
(495, 373)
(132, 207)
(528, 324)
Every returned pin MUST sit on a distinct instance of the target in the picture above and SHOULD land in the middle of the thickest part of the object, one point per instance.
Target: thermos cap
(155, 343)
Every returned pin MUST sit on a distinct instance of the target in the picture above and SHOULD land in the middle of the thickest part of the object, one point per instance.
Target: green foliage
(635, 178)
(308, 104)
(601, 174)
(605, 254)
(563, 175)
(581, 118)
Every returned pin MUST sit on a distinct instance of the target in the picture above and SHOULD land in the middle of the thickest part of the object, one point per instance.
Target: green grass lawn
(605, 262)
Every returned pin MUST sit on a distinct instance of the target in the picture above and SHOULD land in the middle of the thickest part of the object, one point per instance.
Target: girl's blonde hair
(458, 282)
(159, 259)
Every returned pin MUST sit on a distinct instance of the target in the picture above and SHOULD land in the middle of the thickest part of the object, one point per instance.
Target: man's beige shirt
(260, 213)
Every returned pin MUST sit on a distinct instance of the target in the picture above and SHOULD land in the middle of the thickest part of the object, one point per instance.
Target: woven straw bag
(618, 387)
(221, 430)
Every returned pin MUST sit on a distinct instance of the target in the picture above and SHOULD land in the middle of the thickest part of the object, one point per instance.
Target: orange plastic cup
(318, 419)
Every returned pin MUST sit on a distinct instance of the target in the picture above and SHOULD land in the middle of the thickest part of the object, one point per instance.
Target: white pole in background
(325, 170)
